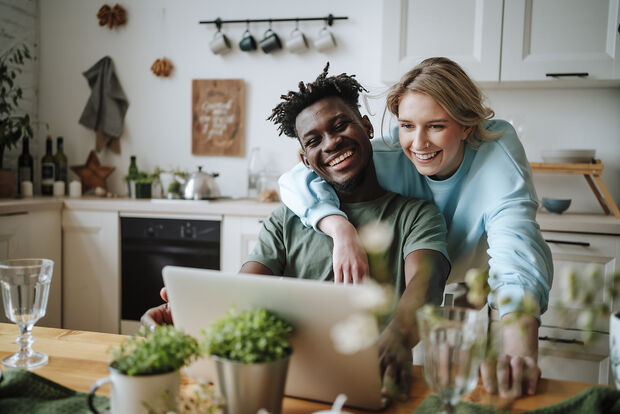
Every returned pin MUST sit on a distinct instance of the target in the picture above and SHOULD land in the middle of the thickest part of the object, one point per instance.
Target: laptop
(317, 371)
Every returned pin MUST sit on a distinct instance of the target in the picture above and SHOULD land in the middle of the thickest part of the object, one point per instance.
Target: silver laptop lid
(317, 370)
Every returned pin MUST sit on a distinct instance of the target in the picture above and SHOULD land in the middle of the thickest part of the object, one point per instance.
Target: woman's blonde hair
(446, 82)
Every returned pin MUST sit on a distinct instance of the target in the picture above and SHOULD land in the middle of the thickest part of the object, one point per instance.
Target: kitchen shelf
(592, 173)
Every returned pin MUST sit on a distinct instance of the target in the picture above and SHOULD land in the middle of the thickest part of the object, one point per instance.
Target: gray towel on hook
(105, 110)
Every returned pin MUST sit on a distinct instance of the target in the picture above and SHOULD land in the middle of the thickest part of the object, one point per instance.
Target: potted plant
(145, 371)
(251, 352)
(14, 122)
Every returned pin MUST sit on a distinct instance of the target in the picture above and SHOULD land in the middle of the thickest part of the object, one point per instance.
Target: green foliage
(249, 337)
(162, 350)
(12, 126)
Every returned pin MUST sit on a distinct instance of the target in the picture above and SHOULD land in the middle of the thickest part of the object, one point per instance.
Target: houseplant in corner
(14, 122)
(145, 371)
(251, 352)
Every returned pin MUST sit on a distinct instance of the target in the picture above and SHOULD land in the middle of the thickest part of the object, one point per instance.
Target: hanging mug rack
(329, 19)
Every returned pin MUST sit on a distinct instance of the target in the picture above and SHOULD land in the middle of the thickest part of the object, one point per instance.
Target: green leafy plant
(14, 123)
(252, 336)
(165, 349)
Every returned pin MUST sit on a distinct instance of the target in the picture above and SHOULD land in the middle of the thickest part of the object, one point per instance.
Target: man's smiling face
(335, 142)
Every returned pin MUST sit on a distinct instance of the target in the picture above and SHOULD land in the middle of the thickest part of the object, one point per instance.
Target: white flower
(376, 236)
(355, 333)
(374, 296)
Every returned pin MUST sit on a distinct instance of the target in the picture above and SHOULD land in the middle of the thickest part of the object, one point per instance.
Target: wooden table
(78, 358)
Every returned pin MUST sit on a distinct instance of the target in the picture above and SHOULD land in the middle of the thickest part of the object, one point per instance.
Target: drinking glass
(25, 285)
(453, 339)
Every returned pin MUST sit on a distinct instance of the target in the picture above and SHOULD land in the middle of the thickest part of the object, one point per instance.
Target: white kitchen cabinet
(91, 286)
(516, 40)
(468, 32)
(542, 37)
(35, 234)
(239, 236)
(563, 355)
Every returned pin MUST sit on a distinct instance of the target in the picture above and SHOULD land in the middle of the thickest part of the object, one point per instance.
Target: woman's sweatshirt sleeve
(308, 195)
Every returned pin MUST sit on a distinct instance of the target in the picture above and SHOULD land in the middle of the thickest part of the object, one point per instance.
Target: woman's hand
(159, 315)
(349, 257)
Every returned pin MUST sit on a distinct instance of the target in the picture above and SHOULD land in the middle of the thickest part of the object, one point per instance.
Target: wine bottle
(48, 169)
(60, 162)
(132, 174)
(24, 165)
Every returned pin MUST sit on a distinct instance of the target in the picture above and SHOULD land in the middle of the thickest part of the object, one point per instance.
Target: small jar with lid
(268, 187)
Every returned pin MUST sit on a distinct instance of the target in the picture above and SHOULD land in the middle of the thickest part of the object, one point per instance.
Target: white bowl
(569, 155)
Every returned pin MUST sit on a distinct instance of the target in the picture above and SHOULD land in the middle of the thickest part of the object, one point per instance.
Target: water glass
(25, 285)
(453, 339)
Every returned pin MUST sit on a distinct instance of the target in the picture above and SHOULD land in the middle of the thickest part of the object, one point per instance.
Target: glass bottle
(254, 169)
(48, 167)
(60, 162)
(24, 165)
(132, 174)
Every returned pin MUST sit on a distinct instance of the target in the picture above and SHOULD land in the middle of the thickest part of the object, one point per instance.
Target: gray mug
(247, 43)
(270, 42)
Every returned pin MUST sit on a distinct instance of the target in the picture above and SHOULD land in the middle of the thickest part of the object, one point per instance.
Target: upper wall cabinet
(542, 38)
(467, 31)
(515, 40)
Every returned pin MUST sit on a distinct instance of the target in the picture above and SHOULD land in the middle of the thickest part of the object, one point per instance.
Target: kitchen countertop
(567, 222)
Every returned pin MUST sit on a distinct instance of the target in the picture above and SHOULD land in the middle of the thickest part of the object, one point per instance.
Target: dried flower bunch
(112, 16)
(162, 67)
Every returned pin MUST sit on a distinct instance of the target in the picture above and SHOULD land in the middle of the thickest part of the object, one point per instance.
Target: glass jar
(268, 187)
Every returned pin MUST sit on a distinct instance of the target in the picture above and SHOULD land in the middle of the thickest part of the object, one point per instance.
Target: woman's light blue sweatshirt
(489, 205)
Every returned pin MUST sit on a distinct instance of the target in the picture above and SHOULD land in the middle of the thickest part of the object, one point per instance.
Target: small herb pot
(139, 394)
(143, 190)
(249, 387)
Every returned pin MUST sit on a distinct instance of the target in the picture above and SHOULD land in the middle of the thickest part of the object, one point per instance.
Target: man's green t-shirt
(288, 248)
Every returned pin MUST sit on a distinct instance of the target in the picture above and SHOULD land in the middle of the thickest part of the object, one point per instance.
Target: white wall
(158, 122)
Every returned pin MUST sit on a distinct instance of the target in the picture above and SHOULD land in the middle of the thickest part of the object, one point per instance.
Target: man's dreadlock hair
(343, 86)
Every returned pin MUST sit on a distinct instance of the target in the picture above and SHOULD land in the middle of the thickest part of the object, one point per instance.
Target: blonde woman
(475, 170)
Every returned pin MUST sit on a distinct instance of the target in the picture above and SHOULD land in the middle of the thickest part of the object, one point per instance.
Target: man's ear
(304, 159)
(368, 125)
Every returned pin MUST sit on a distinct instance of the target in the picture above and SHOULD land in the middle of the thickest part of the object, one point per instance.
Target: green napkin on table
(594, 400)
(25, 392)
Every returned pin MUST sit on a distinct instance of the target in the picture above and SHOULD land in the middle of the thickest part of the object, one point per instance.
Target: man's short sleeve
(427, 230)
(270, 249)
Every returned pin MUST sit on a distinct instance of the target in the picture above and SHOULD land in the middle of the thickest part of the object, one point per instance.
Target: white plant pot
(136, 394)
(614, 346)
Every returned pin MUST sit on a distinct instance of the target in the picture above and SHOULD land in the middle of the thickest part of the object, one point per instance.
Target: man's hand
(396, 363)
(349, 257)
(517, 370)
(159, 315)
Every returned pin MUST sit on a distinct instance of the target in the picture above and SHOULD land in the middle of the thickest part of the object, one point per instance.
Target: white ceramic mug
(325, 40)
(296, 42)
(130, 393)
(220, 44)
(614, 346)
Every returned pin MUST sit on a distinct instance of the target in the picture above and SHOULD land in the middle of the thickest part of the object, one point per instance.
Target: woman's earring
(371, 134)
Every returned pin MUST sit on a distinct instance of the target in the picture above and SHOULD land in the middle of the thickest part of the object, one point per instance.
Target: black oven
(148, 243)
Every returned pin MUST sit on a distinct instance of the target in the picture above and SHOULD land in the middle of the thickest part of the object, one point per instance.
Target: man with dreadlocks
(335, 139)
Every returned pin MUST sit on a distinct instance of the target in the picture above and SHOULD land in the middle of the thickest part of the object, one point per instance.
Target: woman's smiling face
(430, 138)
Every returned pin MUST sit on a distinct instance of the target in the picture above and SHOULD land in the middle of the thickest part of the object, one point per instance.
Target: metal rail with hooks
(329, 19)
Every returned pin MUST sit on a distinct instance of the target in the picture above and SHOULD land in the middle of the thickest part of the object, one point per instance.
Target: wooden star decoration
(92, 173)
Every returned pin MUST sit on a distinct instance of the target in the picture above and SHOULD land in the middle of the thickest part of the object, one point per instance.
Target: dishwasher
(150, 242)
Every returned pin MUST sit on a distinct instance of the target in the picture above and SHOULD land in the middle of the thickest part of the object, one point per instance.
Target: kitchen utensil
(247, 43)
(25, 285)
(325, 40)
(569, 155)
(296, 42)
(201, 185)
(556, 205)
(270, 42)
(220, 44)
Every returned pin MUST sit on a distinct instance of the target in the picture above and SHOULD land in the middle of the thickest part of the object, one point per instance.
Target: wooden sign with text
(218, 117)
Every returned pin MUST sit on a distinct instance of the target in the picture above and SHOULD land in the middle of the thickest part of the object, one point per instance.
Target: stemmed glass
(453, 341)
(25, 285)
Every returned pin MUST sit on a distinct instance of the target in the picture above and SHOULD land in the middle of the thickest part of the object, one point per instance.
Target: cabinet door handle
(568, 75)
(573, 243)
(561, 341)
(16, 213)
